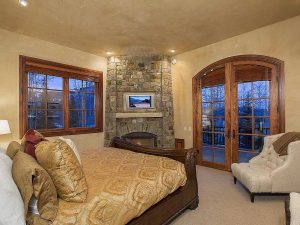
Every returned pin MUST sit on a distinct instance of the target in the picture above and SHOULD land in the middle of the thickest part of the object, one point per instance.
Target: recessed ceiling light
(172, 50)
(109, 53)
(23, 2)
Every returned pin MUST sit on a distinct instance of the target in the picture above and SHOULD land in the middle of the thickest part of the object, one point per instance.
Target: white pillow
(11, 204)
(73, 147)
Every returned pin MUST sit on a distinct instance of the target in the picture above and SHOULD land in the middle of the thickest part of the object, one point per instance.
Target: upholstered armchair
(268, 173)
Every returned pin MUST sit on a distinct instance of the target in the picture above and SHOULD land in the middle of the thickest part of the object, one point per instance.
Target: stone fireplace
(140, 74)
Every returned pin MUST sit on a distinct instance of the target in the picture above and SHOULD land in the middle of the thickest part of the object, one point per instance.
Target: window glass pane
(75, 85)
(261, 89)
(245, 142)
(206, 109)
(245, 107)
(258, 143)
(262, 107)
(54, 82)
(76, 118)
(207, 153)
(75, 100)
(89, 118)
(245, 125)
(36, 99)
(206, 138)
(219, 93)
(206, 94)
(262, 126)
(219, 109)
(206, 123)
(89, 86)
(55, 119)
(244, 90)
(55, 99)
(219, 124)
(219, 156)
(219, 140)
(36, 119)
(36, 80)
(89, 101)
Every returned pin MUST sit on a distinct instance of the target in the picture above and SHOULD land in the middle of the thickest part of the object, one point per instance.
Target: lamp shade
(4, 127)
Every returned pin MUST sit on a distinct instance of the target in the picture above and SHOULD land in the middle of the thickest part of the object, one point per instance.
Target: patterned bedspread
(122, 185)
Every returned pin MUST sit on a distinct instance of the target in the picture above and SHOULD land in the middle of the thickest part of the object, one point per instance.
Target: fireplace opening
(141, 138)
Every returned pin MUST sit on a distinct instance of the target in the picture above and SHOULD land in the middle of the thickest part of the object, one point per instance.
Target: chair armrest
(286, 178)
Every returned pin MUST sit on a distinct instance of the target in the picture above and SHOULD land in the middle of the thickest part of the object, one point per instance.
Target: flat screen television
(135, 101)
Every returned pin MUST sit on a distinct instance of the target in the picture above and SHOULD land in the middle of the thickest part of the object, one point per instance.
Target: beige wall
(11, 46)
(280, 40)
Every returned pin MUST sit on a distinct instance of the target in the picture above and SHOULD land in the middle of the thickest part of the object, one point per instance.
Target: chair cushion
(257, 178)
(295, 208)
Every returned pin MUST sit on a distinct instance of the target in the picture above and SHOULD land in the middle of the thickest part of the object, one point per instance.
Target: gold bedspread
(121, 186)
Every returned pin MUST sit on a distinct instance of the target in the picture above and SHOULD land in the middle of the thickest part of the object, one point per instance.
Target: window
(58, 99)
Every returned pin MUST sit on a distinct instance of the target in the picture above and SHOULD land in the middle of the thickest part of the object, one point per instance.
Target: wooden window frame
(29, 64)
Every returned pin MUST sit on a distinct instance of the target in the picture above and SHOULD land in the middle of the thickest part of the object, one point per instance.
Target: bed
(121, 184)
(185, 197)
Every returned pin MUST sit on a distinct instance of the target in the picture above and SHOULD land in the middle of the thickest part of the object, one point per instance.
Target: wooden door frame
(229, 62)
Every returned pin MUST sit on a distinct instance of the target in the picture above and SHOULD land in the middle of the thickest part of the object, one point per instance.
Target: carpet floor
(224, 203)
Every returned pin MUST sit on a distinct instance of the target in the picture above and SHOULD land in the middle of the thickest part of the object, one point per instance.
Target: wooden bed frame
(287, 211)
(185, 197)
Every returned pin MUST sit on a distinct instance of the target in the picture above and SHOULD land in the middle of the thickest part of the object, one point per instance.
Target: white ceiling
(141, 26)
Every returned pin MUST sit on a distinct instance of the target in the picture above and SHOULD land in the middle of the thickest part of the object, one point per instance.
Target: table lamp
(4, 127)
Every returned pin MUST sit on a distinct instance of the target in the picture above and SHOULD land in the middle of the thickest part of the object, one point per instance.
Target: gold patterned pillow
(59, 160)
(33, 181)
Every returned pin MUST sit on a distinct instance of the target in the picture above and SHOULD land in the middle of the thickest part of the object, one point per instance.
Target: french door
(236, 104)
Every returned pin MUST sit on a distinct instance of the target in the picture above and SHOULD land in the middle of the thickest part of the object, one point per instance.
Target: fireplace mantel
(140, 115)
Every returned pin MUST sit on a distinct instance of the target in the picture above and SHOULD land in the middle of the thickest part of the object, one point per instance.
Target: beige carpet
(223, 203)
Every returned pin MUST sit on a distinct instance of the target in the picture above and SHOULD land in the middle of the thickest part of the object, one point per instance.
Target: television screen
(141, 102)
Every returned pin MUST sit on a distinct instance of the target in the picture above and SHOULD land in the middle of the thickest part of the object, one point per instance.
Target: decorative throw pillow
(62, 165)
(72, 146)
(13, 149)
(34, 181)
(11, 204)
(30, 139)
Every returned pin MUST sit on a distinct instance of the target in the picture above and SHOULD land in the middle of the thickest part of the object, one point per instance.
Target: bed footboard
(185, 197)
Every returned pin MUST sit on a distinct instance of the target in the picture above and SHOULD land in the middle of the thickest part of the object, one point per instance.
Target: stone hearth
(140, 74)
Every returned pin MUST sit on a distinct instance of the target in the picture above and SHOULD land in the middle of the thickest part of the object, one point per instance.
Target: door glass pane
(206, 123)
(245, 125)
(262, 126)
(219, 109)
(219, 140)
(244, 157)
(219, 156)
(261, 89)
(206, 94)
(262, 107)
(207, 153)
(258, 143)
(207, 139)
(219, 93)
(219, 124)
(245, 107)
(244, 90)
(245, 142)
(207, 109)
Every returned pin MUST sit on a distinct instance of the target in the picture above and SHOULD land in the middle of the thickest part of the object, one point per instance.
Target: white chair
(268, 173)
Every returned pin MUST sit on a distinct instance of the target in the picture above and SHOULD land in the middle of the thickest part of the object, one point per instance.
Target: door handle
(228, 133)
(233, 134)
